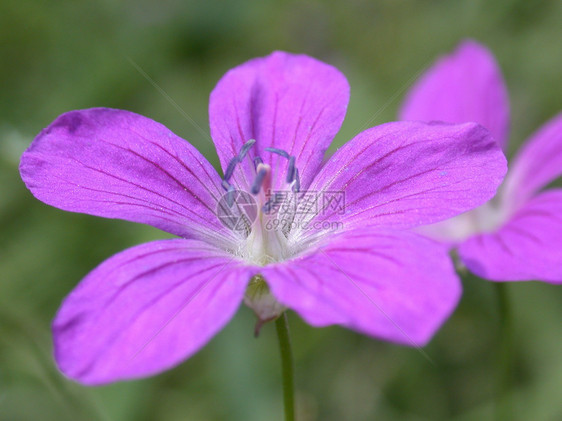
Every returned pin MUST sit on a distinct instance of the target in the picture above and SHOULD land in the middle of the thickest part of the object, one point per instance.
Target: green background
(62, 55)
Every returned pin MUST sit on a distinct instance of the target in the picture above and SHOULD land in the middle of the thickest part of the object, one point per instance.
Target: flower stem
(504, 363)
(282, 325)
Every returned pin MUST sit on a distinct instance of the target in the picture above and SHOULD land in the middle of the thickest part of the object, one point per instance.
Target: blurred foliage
(62, 55)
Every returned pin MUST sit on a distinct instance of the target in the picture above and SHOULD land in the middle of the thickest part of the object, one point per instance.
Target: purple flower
(354, 264)
(518, 234)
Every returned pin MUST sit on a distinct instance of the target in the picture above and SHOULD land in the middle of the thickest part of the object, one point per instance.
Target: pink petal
(146, 309)
(396, 286)
(118, 164)
(527, 247)
(466, 85)
(291, 102)
(538, 163)
(407, 174)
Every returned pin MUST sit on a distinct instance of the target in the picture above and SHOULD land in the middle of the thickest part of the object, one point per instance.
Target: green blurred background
(62, 55)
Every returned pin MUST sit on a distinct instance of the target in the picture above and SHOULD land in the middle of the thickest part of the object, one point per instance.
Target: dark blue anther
(257, 161)
(230, 196)
(245, 148)
(237, 159)
(279, 152)
(291, 170)
(230, 168)
(258, 181)
(297, 185)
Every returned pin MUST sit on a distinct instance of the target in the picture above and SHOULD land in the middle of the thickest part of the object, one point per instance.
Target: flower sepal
(264, 305)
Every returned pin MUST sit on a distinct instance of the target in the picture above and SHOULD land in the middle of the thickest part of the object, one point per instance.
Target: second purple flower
(517, 236)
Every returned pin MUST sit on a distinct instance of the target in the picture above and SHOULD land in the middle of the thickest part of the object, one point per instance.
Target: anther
(279, 152)
(258, 181)
(297, 185)
(237, 159)
(230, 168)
(258, 161)
(291, 170)
(245, 148)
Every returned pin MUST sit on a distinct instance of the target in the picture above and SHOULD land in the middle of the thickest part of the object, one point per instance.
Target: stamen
(258, 181)
(230, 168)
(237, 159)
(245, 148)
(258, 161)
(291, 170)
(280, 152)
(225, 185)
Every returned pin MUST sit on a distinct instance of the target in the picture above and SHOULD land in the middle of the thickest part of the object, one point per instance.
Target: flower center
(266, 235)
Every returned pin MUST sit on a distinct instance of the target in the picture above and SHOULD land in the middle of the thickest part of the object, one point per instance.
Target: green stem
(287, 368)
(505, 363)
